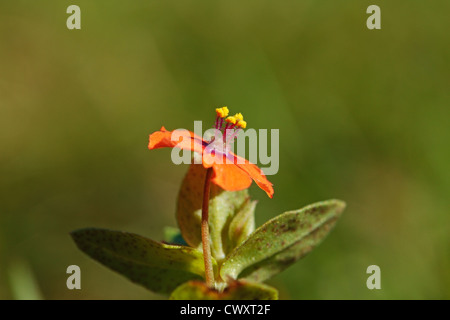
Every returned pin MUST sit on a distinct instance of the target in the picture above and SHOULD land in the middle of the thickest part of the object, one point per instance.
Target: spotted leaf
(156, 266)
(281, 241)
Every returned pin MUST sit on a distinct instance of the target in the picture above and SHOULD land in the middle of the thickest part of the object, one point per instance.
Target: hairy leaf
(243, 224)
(156, 266)
(281, 241)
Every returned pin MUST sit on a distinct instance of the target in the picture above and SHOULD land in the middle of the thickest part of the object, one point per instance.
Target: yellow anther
(239, 116)
(242, 124)
(231, 120)
(222, 112)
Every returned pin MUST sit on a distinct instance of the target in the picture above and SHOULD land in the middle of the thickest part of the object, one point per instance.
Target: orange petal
(230, 178)
(182, 139)
(257, 175)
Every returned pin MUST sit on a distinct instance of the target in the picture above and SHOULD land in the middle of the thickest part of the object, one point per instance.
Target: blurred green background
(364, 116)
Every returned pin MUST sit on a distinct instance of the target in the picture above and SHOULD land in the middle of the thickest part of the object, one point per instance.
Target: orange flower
(230, 172)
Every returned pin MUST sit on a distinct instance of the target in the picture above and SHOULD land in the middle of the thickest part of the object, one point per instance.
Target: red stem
(209, 273)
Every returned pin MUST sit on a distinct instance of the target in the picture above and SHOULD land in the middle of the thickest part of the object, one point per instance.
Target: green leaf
(282, 241)
(223, 205)
(243, 224)
(156, 266)
(238, 290)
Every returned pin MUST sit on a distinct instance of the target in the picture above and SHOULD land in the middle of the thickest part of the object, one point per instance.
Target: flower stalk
(209, 272)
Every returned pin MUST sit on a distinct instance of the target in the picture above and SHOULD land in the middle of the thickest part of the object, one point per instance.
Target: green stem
(209, 273)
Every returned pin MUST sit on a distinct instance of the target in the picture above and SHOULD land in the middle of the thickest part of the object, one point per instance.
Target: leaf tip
(340, 205)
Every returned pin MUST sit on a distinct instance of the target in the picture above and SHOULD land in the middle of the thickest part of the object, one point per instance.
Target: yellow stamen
(242, 124)
(222, 112)
(231, 120)
(239, 116)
